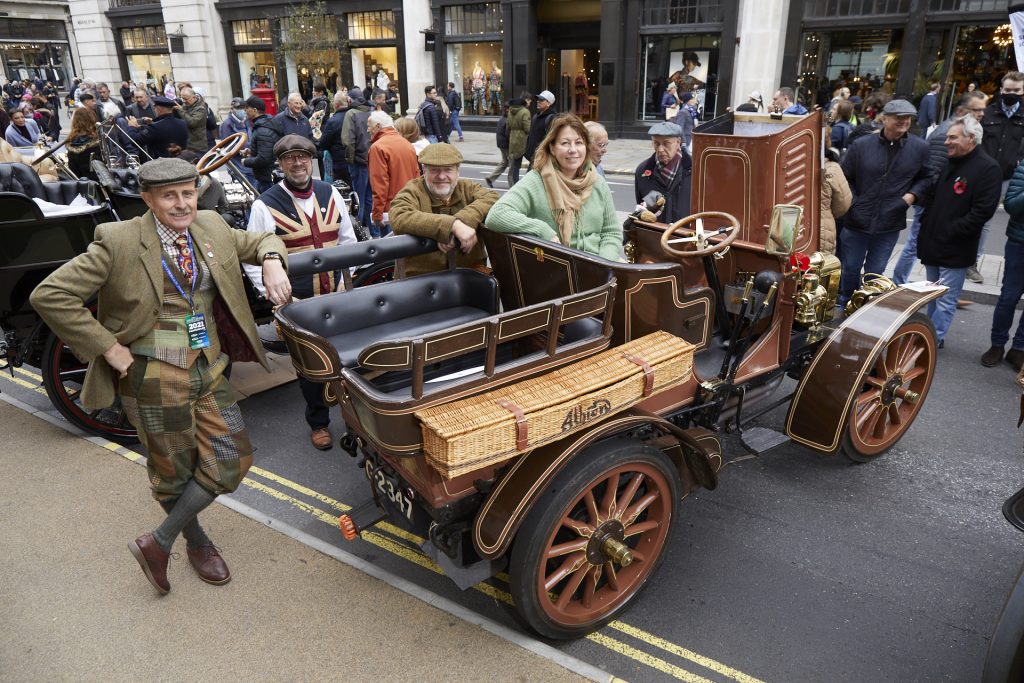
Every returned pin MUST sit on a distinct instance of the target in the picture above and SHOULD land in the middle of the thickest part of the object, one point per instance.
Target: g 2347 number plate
(389, 489)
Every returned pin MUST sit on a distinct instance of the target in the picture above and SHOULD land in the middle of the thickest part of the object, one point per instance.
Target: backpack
(211, 120)
(421, 120)
(456, 101)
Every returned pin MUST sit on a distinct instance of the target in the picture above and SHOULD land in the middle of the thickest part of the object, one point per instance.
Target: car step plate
(757, 440)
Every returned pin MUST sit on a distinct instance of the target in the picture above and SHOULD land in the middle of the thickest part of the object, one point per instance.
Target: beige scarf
(566, 197)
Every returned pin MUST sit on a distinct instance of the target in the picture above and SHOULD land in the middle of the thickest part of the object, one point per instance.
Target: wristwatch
(272, 255)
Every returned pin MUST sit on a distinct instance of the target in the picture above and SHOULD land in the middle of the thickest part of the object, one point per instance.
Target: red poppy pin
(647, 173)
(959, 186)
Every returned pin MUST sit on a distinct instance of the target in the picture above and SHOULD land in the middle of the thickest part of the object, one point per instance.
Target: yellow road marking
(28, 373)
(645, 658)
(19, 381)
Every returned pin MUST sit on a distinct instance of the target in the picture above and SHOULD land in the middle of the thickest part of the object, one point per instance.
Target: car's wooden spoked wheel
(591, 555)
(893, 390)
(221, 153)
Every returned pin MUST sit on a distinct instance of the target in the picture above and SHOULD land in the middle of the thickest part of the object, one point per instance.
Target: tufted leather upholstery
(21, 179)
(125, 180)
(353, 320)
(358, 254)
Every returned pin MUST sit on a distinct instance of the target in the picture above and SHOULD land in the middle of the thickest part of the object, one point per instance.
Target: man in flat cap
(165, 136)
(259, 156)
(667, 171)
(441, 206)
(305, 214)
(172, 313)
(887, 173)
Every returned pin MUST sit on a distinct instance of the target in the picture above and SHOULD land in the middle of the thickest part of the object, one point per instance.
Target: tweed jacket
(123, 265)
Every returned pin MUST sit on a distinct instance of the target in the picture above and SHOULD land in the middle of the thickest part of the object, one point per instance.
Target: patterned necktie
(185, 257)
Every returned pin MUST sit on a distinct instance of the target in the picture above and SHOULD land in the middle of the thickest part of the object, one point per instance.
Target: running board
(758, 440)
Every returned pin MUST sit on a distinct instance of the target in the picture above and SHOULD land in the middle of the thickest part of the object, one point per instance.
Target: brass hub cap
(611, 530)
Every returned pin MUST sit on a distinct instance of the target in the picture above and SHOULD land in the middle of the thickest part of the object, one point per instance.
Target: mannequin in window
(581, 91)
(383, 81)
(479, 85)
(495, 87)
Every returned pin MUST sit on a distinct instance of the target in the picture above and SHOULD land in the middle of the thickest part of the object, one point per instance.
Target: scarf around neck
(298, 192)
(566, 197)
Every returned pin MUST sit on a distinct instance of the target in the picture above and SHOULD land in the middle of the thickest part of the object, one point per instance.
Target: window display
(863, 60)
(374, 67)
(475, 68)
(691, 62)
(982, 55)
(149, 69)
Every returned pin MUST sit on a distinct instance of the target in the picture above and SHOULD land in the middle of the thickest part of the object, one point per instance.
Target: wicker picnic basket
(486, 429)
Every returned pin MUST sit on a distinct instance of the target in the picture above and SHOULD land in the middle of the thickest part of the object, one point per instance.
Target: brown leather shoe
(209, 564)
(992, 357)
(1015, 357)
(153, 561)
(321, 439)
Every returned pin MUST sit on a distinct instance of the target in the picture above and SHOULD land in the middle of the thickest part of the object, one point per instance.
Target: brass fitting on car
(872, 285)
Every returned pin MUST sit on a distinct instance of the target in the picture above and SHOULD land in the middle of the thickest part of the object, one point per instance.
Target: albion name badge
(198, 338)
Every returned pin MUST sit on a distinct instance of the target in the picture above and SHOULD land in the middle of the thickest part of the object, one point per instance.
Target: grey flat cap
(666, 128)
(166, 171)
(899, 108)
(440, 154)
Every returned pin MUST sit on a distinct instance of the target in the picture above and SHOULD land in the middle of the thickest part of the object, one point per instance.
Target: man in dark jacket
(972, 103)
(1003, 124)
(964, 197)
(887, 173)
(455, 106)
(166, 136)
(667, 171)
(140, 107)
(291, 121)
(541, 122)
(260, 155)
(330, 140)
(501, 140)
(430, 117)
(356, 138)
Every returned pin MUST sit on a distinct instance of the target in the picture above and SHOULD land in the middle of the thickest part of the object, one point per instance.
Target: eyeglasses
(602, 146)
(297, 158)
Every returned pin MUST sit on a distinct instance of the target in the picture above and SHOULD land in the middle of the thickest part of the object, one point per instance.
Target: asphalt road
(799, 567)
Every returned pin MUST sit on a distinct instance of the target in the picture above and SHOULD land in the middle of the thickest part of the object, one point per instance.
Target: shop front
(373, 55)
(253, 49)
(31, 49)
(145, 54)
(473, 58)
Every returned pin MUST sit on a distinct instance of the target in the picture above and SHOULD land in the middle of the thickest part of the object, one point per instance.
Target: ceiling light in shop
(1003, 35)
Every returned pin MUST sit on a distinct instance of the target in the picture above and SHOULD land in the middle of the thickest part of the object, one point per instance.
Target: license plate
(389, 489)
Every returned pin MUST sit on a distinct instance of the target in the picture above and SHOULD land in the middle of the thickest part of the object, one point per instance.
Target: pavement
(76, 605)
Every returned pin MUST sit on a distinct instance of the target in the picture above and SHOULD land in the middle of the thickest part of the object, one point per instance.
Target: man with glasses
(972, 103)
(667, 171)
(306, 214)
(598, 144)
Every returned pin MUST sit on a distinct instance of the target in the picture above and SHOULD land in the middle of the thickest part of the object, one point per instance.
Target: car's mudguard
(699, 458)
(821, 404)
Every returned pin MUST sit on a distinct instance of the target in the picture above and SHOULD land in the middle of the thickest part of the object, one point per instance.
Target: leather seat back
(20, 178)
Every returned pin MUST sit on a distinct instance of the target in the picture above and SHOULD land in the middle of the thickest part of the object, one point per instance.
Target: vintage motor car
(548, 416)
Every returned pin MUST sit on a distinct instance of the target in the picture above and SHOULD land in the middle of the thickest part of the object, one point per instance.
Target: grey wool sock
(193, 500)
(193, 533)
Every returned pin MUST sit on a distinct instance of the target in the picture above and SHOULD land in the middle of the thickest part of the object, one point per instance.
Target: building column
(96, 56)
(614, 43)
(203, 61)
(913, 43)
(762, 39)
(520, 46)
(419, 64)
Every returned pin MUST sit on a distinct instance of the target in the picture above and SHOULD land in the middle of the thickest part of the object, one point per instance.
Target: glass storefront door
(982, 55)
(689, 61)
(375, 67)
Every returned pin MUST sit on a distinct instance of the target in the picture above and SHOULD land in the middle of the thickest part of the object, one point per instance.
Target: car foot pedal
(360, 518)
(757, 440)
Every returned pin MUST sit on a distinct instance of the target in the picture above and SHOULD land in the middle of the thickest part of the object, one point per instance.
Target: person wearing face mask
(1003, 124)
(563, 199)
(235, 120)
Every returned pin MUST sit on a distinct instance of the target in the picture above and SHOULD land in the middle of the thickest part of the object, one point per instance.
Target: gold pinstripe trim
(532, 251)
(675, 301)
(328, 366)
(427, 358)
(547, 320)
(404, 347)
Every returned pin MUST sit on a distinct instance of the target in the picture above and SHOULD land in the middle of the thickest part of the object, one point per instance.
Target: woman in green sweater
(563, 199)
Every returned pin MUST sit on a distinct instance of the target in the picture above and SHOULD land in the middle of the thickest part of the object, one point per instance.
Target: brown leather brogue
(209, 564)
(153, 561)
(321, 439)
(992, 357)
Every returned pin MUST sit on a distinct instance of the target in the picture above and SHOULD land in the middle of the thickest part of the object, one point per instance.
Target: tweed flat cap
(166, 171)
(293, 143)
(160, 101)
(899, 108)
(440, 154)
(666, 128)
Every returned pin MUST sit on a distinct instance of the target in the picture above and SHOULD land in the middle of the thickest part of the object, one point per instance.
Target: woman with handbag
(669, 103)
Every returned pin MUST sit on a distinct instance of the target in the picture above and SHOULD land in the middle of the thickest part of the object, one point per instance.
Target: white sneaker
(974, 276)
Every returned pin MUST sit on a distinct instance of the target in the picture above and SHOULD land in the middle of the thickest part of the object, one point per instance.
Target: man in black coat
(887, 173)
(430, 118)
(540, 124)
(166, 136)
(964, 197)
(330, 139)
(1003, 124)
(667, 171)
(265, 132)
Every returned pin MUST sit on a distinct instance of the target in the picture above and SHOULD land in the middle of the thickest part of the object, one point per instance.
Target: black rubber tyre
(375, 274)
(1005, 660)
(563, 585)
(63, 376)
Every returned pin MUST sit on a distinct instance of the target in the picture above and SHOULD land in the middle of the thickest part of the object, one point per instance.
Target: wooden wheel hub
(606, 544)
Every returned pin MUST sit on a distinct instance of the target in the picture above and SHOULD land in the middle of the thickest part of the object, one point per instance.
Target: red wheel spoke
(610, 493)
(572, 586)
(566, 548)
(911, 358)
(878, 426)
(880, 369)
(627, 496)
(638, 556)
(868, 416)
(570, 565)
(874, 381)
(591, 587)
(611, 577)
(913, 374)
(633, 512)
(868, 397)
(892, 352)
(641, 527)
(577, 527)
(894, 415)
(595, 518)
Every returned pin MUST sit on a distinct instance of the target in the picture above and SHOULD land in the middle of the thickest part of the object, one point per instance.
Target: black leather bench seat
(350, 344)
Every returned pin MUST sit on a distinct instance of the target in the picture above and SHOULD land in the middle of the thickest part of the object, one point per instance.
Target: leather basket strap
(648, 372)
(522, 428)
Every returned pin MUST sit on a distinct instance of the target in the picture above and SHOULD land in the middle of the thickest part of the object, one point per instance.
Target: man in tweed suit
(172, 311)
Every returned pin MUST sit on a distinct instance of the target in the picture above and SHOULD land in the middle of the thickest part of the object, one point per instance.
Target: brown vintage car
(549, 415)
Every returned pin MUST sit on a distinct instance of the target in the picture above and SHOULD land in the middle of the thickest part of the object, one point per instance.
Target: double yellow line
(394, 540)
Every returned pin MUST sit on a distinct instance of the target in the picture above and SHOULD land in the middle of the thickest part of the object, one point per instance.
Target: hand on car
(275, 280)
(119, 357)
(465, 234)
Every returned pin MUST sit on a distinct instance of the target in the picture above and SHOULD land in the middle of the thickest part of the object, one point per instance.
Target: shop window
(150, 69)
(829, 9)
(982, 56)
(674, 12)
(251, 32)
(863, 60)
(966, 5)
(475, 69)
(371, 25)
(468, 20)
(374, 67)
(689, 61)
(255, 65)
(144, 38)
(31, 29)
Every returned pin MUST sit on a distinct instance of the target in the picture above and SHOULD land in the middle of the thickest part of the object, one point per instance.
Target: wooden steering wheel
(221, 153)
(699, 237)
